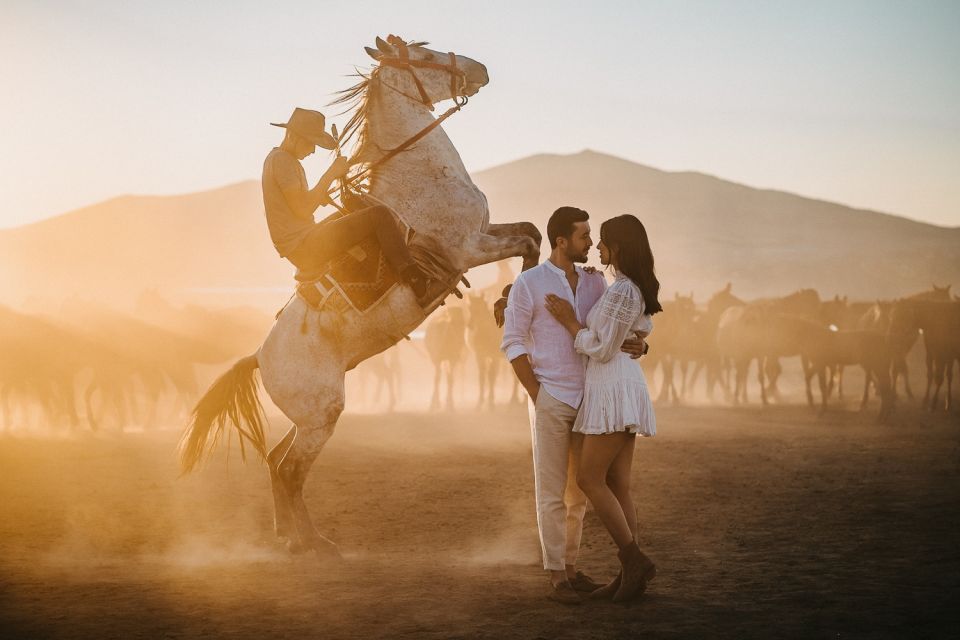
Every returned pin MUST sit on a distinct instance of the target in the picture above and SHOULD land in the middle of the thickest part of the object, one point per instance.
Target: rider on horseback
(290, 205)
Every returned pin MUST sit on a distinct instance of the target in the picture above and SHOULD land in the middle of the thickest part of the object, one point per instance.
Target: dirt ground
(764, 523)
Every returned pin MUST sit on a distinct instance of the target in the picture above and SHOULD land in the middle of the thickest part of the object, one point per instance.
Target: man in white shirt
(541, 352)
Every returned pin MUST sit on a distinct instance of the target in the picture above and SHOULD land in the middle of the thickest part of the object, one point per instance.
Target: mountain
(214, 241)
(704, 231)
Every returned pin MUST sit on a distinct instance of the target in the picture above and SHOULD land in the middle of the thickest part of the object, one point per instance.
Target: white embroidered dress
(615, 394)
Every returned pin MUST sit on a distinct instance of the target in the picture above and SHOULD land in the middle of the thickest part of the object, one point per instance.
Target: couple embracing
(572, 342)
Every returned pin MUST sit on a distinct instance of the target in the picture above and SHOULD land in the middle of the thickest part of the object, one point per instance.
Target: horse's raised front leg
(504, 241)
(509, 229)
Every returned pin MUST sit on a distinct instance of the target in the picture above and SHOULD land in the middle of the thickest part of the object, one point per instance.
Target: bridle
(458, 77)
(458, 83)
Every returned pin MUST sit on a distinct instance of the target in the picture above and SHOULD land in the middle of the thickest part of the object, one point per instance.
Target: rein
(458, 82)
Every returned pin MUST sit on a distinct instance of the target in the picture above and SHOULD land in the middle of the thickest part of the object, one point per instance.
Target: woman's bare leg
(618, 479)
(599, 452)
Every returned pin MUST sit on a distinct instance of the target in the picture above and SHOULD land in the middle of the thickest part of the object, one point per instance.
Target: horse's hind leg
(902, 367)
(435, 398)
(938, 373)
(807, 366)
(481, 381)
(282, 508)
(667, 369)
(491, 382)
(451, 366)
(867, 376)
(949, 384)
(684, 367)
(761, 364)
(311, 434)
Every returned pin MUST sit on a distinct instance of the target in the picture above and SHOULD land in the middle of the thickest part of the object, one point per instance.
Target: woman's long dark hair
(628, 236)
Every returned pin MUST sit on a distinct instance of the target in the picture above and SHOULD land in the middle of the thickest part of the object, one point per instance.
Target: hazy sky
(855, 102)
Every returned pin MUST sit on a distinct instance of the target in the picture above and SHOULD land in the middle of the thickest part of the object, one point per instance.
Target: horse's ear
(383, 46)
(373, 53)
(729, 287)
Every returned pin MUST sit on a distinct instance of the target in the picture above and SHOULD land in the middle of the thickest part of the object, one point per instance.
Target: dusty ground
(764, 523)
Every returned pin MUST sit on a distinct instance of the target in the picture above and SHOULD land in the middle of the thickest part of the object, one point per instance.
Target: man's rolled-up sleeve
(518, 317)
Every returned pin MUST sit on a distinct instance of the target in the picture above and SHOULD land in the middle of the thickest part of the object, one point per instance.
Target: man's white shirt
(532, 330)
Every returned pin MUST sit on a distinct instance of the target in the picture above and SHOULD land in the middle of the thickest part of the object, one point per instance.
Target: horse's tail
(234, 397)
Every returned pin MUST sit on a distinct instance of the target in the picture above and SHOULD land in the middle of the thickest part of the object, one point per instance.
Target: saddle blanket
(358, 279)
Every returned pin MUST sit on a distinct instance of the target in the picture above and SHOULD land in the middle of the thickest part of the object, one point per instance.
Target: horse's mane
(355, 100)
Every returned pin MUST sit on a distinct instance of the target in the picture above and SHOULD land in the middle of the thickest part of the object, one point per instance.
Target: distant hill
(705, 231)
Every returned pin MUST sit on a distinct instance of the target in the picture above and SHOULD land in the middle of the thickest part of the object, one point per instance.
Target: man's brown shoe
(564, 593)
(584, 583)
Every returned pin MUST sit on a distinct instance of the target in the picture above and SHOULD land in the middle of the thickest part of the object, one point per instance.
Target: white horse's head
(426, 75)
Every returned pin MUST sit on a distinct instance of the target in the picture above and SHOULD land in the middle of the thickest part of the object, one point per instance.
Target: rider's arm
(293, 184)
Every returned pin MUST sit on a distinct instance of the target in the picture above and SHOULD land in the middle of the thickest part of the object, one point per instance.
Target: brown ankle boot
(607, 591)
(637, 570)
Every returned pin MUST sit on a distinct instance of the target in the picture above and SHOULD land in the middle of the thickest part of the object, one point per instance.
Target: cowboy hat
(309, 125)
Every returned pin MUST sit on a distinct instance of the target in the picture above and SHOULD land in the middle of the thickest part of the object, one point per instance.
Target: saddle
(360, 277)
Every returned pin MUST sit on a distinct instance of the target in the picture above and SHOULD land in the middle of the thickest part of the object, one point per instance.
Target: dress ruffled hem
(621, 406)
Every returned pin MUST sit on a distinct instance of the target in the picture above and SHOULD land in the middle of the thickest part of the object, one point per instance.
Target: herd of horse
(721, 340)
(88, 365)
(725, 337)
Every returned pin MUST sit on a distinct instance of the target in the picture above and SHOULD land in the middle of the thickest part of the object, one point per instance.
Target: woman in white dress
(616, 403)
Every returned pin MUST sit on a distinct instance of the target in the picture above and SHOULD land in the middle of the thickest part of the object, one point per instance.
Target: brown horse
(761, 331)
(670, 345)
(703, 341)
(168, 355)
(384, 371)
(940, 324)
(485, 340)
(803, 303)
(877, 318)
(445, 342)
(42, 364)
(841, 315)
(869, 349)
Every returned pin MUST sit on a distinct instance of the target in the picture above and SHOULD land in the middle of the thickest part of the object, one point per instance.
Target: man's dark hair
(560, 224)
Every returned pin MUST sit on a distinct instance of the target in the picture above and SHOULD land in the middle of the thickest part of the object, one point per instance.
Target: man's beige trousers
(560, 502)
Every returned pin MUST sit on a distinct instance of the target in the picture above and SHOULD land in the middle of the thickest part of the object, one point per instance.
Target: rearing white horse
(304, 358)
